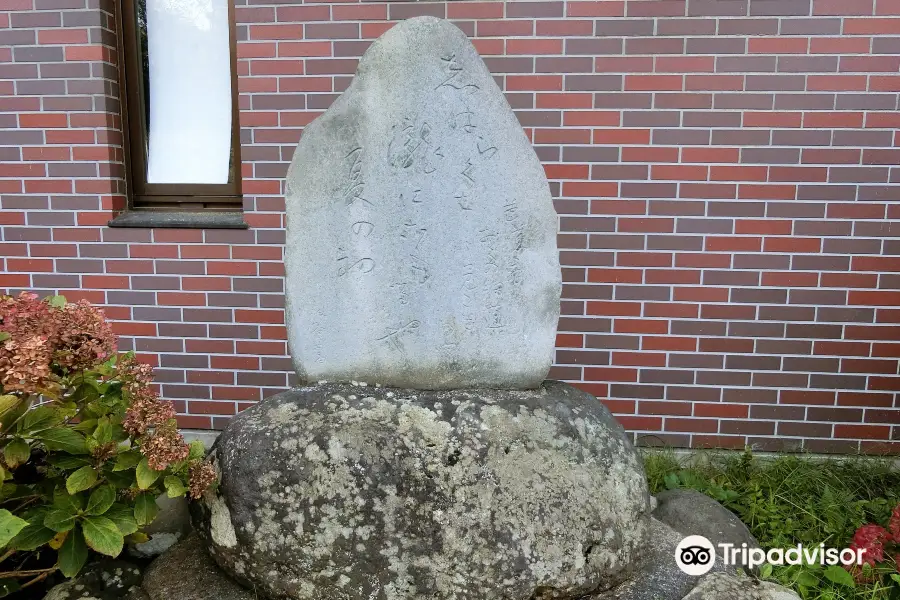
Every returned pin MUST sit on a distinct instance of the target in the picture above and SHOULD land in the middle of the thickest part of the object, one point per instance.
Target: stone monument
(421, 245)
(426, 457)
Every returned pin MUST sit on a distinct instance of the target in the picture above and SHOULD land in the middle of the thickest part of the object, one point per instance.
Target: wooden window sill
(155, 219)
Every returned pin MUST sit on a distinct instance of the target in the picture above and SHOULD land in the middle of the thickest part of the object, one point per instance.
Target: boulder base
(344, 492)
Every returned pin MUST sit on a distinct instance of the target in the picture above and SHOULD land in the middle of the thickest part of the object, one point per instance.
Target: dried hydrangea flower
(85, 338)
(133, 374)
(201, 475)
(26, 316)
(25, 365)
(146, 411)
(164, 446)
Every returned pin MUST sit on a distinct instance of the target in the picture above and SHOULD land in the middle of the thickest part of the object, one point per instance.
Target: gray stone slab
(421, 240)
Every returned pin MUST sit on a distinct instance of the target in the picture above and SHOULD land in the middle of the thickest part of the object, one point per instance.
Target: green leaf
(32, 537)
(123, 517)
(840, 576)
(8, 490)
(765, 571)
(895, 577)
(11, 414)
(103, 434)
(82, 479)
(60, 520)
(67, 462)
(85, 426)
(66, 408)
(127, 460)
(145, 475)
(4, 336)
(122, 480)
(9, 586)
(92, 381)
(671, 481)
(73, 553)
(40, 418)
(63, 439)
(137, 538)
(119, 434)
(101, 499)
(102, 535)
(174, 487)
(10, 526)
(56, 301)
(807, 579)
(16, 453)
(145, 509)
(63, 499)
(197, 450)
(8, 401)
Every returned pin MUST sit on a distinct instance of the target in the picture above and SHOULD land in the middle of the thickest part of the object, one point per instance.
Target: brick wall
(724, 172)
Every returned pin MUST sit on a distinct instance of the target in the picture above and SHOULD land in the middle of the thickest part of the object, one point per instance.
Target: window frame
(168, 197)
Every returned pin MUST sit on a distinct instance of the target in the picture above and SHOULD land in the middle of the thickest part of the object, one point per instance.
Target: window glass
(186, 60)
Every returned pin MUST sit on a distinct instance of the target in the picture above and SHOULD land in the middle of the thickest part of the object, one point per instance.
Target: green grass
(795, 499)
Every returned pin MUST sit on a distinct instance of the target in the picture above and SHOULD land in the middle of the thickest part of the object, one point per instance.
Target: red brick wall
(724, 171)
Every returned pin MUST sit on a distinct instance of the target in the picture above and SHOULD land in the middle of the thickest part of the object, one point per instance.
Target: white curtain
(190, 91)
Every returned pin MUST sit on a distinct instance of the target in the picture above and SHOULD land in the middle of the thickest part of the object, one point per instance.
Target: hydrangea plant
(86, 444)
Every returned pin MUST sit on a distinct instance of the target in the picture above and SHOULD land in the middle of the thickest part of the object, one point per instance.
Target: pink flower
(894, 524)
(870, 538)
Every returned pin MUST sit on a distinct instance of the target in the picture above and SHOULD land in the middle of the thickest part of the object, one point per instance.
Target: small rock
(657, 576)
(186, 572)
(137, 593)
(773, 591)
(690, 512)
(71, 590)
(156, 545)
(102, 580)
(114, 576)
(719, 586)
(173, 517)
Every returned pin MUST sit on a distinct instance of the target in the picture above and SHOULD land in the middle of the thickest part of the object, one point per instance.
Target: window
(180, 109)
